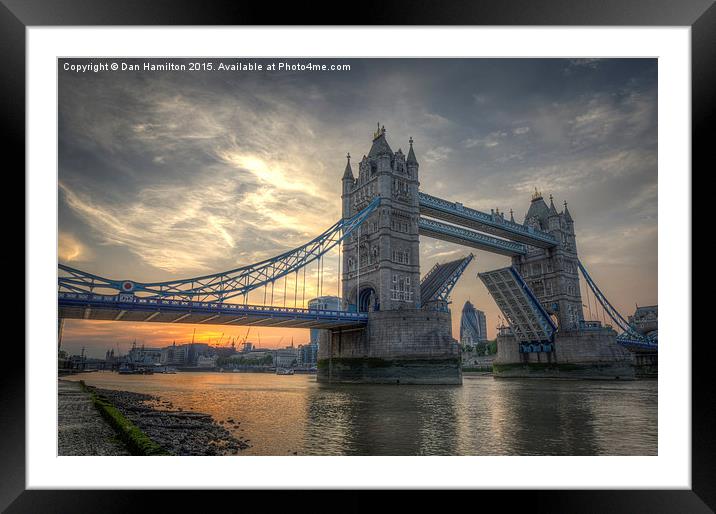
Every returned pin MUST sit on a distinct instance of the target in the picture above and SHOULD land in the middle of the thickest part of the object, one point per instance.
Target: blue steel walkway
(455, 212)
(125, 307)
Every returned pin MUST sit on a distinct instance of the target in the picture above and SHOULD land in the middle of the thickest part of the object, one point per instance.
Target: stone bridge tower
(402, 342)
(579, 350)
(553, 273)
(381, 260)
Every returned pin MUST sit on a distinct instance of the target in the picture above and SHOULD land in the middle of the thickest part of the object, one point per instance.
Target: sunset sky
(168, 175)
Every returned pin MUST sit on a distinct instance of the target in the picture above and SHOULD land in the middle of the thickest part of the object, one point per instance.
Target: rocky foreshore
(179, 432)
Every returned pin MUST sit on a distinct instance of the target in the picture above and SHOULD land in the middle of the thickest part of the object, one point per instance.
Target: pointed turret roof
(380, 144)
(348, 173)
(411, 154)
(567, 215)
(552, 210)
(538, 209)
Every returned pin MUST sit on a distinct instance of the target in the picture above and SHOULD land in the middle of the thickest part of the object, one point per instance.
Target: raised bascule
(394, 326)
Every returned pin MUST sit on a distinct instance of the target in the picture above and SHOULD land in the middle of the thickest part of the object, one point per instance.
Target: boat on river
(127, 370)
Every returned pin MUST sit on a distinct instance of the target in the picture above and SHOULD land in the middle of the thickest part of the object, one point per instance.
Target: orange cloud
(70, 249)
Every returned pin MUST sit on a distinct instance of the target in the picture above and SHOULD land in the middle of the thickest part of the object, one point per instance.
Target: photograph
(357, 256)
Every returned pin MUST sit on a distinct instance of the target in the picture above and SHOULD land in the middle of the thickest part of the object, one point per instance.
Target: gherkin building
(473, 327)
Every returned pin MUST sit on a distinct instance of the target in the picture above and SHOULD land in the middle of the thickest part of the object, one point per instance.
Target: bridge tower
(404, 342)
(552, 273)
(579, 350)
(381, 261)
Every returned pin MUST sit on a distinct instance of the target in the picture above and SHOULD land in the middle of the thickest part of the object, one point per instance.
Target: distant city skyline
(173, 174)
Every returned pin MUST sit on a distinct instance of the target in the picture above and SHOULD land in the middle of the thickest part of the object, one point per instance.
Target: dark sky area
(173, 174)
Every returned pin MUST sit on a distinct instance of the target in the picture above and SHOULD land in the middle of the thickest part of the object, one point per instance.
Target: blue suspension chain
(318, 276)
(338, 286)
(295, 290)
(303, 297)
(285, 277)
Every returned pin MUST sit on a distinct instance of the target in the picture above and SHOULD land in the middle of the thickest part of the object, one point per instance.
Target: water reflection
(542, 418)
(285, 415)
(383, 420)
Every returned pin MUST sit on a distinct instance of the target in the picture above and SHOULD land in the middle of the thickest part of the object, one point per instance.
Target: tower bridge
(394, 326)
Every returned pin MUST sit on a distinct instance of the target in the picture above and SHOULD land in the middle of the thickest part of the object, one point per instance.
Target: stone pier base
(390, 371)
(646, 364)
(397, 347)
(592, 354)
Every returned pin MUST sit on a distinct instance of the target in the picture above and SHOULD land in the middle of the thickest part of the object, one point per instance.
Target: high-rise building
(324, 303)
(473, 325)
(308, 354)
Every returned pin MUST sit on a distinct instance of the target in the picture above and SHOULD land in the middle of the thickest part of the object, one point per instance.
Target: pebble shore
(177, 431)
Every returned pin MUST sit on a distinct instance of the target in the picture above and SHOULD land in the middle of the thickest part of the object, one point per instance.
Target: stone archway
(367, 300)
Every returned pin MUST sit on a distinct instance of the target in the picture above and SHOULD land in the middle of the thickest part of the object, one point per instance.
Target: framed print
(423, 256)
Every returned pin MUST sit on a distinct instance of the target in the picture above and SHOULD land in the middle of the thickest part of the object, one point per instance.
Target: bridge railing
(641, 344)
(219, 306)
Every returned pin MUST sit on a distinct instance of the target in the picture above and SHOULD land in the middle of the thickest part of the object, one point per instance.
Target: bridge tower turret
(552, 273)
(348, 184)
(381, 260)
(411, 162)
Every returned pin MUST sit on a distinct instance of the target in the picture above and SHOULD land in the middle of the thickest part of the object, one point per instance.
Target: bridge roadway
(462, 236)
(455, 212)
(124, 307)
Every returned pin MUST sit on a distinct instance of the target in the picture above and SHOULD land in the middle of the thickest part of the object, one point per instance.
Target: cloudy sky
(174, 174)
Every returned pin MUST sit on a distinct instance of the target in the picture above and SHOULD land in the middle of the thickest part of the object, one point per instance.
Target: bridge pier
(593, 354)
(411, 346)
(646, 364)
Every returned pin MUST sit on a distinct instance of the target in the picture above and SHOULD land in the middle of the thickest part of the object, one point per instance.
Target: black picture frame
(700, 15)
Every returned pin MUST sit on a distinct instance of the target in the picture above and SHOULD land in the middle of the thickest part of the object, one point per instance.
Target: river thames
(295, 415)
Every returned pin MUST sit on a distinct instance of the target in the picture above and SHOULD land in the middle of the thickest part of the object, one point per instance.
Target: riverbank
(177, 431)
